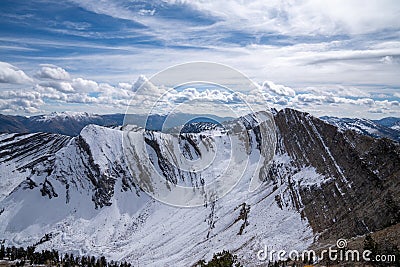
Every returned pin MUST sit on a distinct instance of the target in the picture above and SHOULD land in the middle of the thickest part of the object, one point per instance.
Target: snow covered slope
(390, 122)
(377, 128)
(24, 154)
(85, 192)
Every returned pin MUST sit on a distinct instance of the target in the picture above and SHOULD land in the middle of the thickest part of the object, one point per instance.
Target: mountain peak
(64, 115)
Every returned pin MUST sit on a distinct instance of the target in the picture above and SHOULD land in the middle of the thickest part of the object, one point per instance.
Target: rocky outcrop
(29, 150)
(361, 193)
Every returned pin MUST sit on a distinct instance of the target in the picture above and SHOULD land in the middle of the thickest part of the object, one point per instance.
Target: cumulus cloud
(278, 89)
(64, 87)
(196, 99)
(11, 74)
(83, 85)
(342, 91)
(337, 105)
(141, 80)
(84, 91)
(282, 101)
(53, 72)
(329, 99)
(126, 86)
(77, 85)
(310, 98)
(55, 84)
(376, 110)
(59, 79)
(28, 102)
(30, 95)
(190, 94)
(385, 106)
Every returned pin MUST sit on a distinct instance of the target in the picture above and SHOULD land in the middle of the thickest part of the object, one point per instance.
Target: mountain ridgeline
(322, 183)
(71, 123)
(386, 127)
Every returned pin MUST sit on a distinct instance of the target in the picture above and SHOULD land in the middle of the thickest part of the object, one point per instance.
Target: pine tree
(221, 259)
(2, 252)
(371, 245)
(103, 261)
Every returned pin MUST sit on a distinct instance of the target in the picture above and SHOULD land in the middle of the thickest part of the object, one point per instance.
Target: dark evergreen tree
(221, 259)
(2, 252)
(371, 245)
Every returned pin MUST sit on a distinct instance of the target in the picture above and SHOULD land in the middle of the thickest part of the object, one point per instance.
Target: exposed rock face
(198, 127)
(362, 190)
(38, 147)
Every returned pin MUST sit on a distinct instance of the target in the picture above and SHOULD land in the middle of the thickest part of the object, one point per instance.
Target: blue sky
(337, 58)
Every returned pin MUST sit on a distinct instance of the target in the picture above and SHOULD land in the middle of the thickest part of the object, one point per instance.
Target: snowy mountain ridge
(79, 116)
(85, 191)
(376, 128)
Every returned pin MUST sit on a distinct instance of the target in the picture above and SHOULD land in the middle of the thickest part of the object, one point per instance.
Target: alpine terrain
(303, 182)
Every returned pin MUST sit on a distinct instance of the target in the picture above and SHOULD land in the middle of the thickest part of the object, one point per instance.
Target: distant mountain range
(390, 122)
(61, 122)
(386, 127)
(71, 123)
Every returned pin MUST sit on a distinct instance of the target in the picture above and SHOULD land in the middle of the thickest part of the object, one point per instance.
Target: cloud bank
(11, 74)
(56, 86)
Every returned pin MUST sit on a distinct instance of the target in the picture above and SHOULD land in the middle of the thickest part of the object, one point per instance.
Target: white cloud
(74, 90)
(28, 102)
(145, 12)
(377, 110)
(279, 89)
(126, 86)
(311, 98)
(255, 20)
(303, 17)
(282, 101)
(11, 74)
(30, 95)
(141, 80)
(339, 90)
(53, 72)
(74, 85)
(83, 85)
(341, 106)
(89, 94)
(64, 87)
